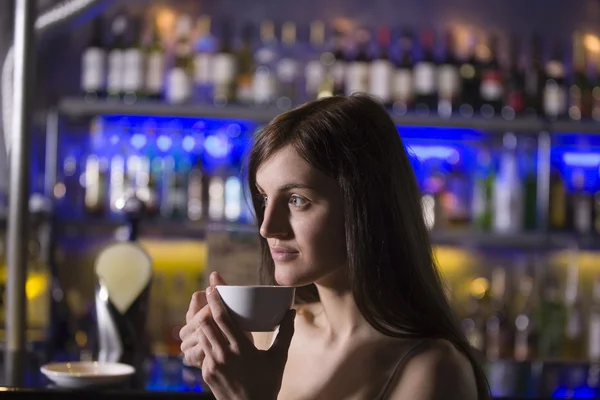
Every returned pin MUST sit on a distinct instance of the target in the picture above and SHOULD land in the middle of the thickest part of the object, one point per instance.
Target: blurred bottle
(448, 79)
(483, 191)
(93, 65)
(179, 81)
(155, 62)
(225, 67)
(492, 83)
(340, 65)
(580, 204)
(116, 58)
(515, 84)
(204, 48)
(264, 85)
(381, 69)
(402, 84)
(535, 79)
(574, 329)
(315, 69)
(526, 330)
(357, 70)
(593, 346)
(508, 192)
(470, 79)
(499, 328)
(580, 91)
(134, 64)
(551, 318)
(287, 68)
(425, 82)
(558, 201)
(555, 91)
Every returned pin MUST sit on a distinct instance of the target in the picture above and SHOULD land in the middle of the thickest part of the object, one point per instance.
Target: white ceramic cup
(257, 308)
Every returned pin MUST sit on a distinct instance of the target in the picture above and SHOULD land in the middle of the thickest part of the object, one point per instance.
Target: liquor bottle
(93, 65)
(596, 90)
(155, 59)
(339, 67)
(558, 201)
(245, 66)
(381, 69)
(530, 205)
(580, 91)
(314, 72)
(574, 331)
(402, 85)
(597, 211)
(535, 79)
(195, 193)
(458, 212)
(491, 89)
(264, 85)
(593, 346)
(551, 318)
(95, 185)
(508, 192)
(448, 79)
(357, 70)
(204, 48)
(134, 64)
(499, 335)
(555, 93)
(116, 58)
(225, 68)
(473, 324)
(425, 84)
(179, 81)
(287, 68)
(470, 76)
(526, 329)
(482, 201)
(580, 204)
(515, 83)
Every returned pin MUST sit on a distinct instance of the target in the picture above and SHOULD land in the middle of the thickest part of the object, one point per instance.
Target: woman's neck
(339, 317)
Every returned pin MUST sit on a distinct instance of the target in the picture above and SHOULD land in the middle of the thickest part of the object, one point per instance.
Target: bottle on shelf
(526, 330)
(179, 80)
(593, 334)
(340, 64)
(555, 93)
(116, 58)
(581, 204)
(580, 91)
(425, 82)
(357, 70)
(499, 340)
(470, 76)
(508, 191)
(245, 66)
(551, 317)
(574, 329)
(596, 90)
(93, 65)
(155, 62)
(515, 83)
(204, 48)
(483, 190)
(287, 68)
(381, 69)
(558, 201)
(134, 64)
(226, 75)
(448, 79)
(491, 90)
(402, 84)
(264, 85)
(535, 78)
(314, 72)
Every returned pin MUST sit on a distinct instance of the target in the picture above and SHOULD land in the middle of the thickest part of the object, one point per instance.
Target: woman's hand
(231, 365)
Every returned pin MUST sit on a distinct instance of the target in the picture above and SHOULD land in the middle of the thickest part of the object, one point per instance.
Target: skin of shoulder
(440, 371)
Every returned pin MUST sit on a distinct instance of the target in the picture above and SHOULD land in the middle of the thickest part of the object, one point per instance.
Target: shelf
(460, 238)
(78, 107)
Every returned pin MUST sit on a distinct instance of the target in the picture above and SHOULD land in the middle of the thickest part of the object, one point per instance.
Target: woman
(339, 215)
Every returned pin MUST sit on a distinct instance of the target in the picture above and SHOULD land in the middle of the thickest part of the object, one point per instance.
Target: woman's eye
(297, 201)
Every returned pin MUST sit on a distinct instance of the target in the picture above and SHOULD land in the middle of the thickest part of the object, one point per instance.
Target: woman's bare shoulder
(439, 371)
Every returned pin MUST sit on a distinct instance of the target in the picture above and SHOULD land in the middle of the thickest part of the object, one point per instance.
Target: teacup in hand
(257, 308)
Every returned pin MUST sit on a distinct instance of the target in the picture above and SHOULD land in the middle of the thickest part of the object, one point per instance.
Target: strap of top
(399, 365)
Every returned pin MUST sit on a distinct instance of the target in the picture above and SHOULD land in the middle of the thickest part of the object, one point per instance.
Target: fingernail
(209, 290)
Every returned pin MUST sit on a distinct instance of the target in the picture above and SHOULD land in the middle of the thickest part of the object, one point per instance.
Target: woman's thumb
(216, 279)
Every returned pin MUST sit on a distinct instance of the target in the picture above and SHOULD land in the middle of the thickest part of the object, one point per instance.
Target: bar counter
(165, 377)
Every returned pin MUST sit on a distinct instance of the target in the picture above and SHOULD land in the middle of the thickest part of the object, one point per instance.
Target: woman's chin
(287, 279)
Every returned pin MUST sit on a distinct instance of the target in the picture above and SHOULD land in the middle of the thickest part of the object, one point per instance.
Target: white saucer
(86, 373)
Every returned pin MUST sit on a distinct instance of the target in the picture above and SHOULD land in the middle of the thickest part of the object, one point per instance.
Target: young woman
(339, 215)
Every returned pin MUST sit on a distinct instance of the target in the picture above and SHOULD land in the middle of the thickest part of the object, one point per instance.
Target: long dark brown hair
(391, 267)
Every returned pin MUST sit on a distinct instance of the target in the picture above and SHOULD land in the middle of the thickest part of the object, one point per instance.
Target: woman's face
(303, 219)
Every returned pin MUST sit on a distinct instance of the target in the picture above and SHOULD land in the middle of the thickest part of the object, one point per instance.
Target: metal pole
(19, 194)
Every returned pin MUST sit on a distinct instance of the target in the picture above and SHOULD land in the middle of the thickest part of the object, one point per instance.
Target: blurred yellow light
(478, 287)
(592, 43)
(165, 20)
(36, 285)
